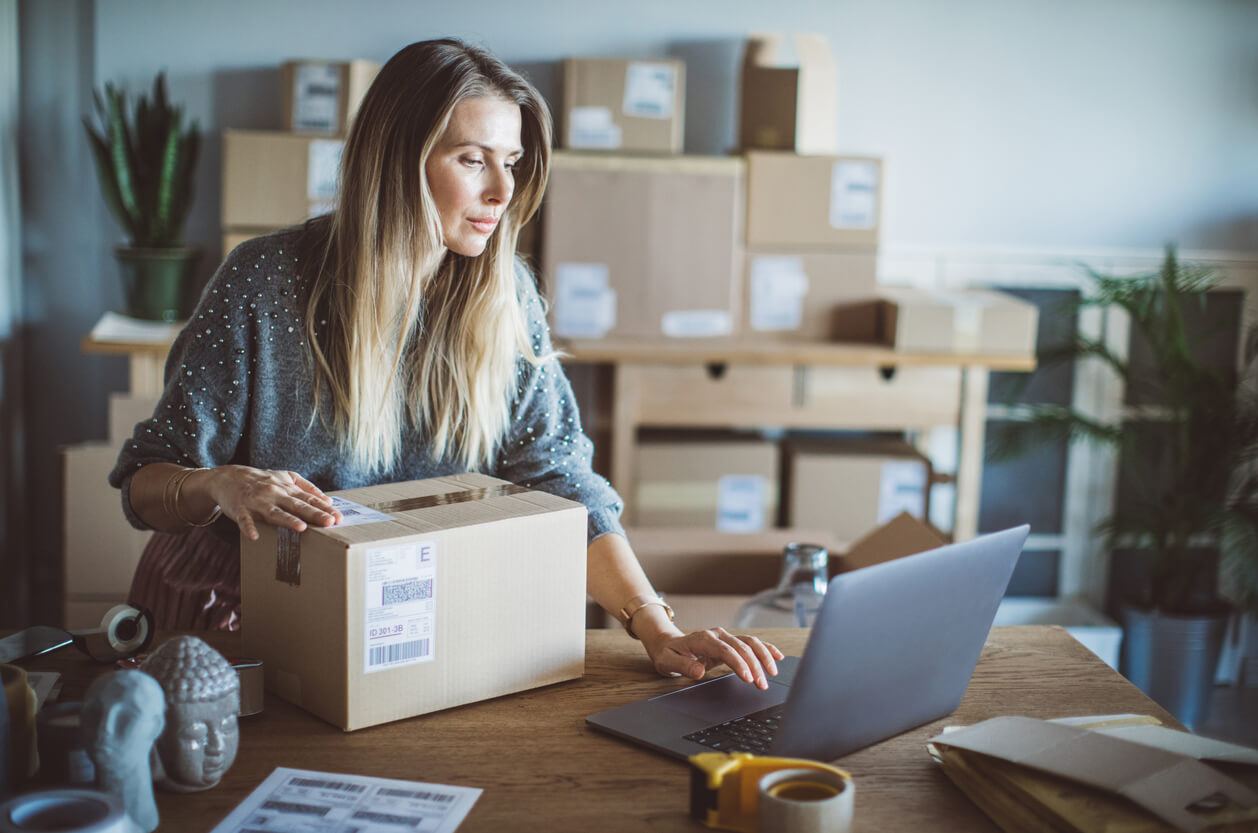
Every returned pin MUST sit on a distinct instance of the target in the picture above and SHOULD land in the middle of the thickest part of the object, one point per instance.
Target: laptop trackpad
(722, 699)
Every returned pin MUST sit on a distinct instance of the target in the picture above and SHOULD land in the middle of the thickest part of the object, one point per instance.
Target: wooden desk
(735, 384)
(543, 769)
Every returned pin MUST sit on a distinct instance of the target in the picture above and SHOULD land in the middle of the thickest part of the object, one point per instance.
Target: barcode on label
(413, 590)
(315, 783)
(402, 651)
(422, 795)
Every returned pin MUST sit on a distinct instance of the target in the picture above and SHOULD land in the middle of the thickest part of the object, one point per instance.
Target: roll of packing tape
(19, 699)
(124, 631)
(805, 801)
(252, 684)
(70, 811)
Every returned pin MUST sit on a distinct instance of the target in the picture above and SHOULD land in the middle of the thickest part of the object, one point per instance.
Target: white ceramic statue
(202, 699)
(123, 714)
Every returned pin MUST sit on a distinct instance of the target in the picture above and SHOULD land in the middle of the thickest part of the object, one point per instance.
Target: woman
(395, 339)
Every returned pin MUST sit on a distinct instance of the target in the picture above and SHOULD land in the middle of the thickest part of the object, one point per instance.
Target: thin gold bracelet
(184, 475)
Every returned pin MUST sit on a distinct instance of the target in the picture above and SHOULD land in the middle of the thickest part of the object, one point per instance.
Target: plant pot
(157, 283)
(1173, 659)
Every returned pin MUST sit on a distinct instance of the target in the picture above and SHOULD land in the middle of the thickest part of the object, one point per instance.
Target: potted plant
(145, 163)
(1189, 487)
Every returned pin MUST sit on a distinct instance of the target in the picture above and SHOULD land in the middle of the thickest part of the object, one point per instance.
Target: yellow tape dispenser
(725, 787)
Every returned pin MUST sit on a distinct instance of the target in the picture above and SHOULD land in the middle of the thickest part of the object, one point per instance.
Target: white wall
(1080, 124)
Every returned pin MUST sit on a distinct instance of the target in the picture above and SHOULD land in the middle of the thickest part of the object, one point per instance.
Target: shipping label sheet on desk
(313, 802)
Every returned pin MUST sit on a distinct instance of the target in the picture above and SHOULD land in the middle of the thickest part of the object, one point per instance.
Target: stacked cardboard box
(849, 486)
(813, 216)
(726, 485)
(623, 105)
(942, 321)
(273, 179)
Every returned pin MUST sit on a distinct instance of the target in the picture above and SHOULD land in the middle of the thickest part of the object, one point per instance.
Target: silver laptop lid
(895, 644)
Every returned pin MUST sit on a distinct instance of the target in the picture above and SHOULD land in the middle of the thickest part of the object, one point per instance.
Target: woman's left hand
(692, 654)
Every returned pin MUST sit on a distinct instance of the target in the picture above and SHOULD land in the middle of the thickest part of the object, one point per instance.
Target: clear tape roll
(124, 631)
(805, 801)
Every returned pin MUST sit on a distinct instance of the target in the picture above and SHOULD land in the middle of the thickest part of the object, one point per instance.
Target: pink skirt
(191, 582)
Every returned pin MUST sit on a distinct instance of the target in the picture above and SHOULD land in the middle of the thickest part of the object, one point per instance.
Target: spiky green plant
(145, 164)
(1194, 445)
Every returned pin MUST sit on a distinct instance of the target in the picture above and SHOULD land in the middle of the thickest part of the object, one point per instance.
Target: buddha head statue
(202, 690)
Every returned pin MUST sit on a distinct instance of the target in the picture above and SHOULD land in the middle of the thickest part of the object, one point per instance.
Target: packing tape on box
(70, 811)
(124, 632)
(288, 541)
(746, 793)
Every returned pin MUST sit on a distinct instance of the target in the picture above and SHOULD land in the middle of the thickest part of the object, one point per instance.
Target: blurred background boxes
(624, 105)
(813, 201)
(941, 321)
(322, 96)
(272, 179)
(789, 102)
(727, 485)
(790, 295)
(848, 486)
(643, 247)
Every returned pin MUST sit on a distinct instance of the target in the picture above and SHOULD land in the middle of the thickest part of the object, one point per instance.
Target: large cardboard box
(942, 321)
(706, 576)
(426, 598)
(624, 105)
(728, 485)
(813, 201)
(791, 295)
(848, 487)
(272, 180)
(321, 97)
(789, 102)
(643, 247)
(100, 548)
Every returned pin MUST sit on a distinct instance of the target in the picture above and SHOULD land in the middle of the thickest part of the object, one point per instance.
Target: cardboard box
(643, 248)
(941, 321)
(849, 487)
(624, 105)
(790, 295)
(728, 485)
(272, 180)
(706, 576)
(789, 102)
(100, 548)
(125, 410)
(813, 201)
(430, 600)
(321, 97)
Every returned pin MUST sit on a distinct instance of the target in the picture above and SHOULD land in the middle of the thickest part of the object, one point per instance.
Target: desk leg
(146, 373)
(970, 453)
(626, 384)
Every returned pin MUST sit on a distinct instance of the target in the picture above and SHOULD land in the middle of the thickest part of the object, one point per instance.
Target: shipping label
(696, 323)
(853, 195)
(322, 160)
(400, 608)
(778, 288)
(585, 306)
(592, 128)
(740, 503)
(316, 97)
(902, 488)
(649, 90)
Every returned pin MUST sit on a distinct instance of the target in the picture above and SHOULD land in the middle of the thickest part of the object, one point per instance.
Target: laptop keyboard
(750, 733)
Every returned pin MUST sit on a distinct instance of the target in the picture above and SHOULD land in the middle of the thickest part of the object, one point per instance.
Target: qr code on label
(412, 590)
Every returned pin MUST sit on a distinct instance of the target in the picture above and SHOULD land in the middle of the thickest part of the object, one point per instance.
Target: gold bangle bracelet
(635, 604)
(184, 475)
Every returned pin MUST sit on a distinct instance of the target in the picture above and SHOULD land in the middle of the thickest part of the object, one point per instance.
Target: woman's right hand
(250, 496)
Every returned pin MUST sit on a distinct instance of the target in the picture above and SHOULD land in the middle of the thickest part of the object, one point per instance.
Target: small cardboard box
(849, 487)
(791, 295)
(789, 104)
(624, 105)
(970, 321)
(643, 247)
(416, 602)
(731, 486)
(272, 180)
(706, 576)
(321, 97)
(100, 548)
(125, 410)
(813, 201)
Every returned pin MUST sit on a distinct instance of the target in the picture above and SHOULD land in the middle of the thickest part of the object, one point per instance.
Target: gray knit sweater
(238, 390)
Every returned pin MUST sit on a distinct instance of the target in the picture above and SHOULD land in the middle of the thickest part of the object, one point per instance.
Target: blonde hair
(402, 331)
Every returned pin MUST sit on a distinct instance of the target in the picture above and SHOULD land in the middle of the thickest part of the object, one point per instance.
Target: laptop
(893, 647)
